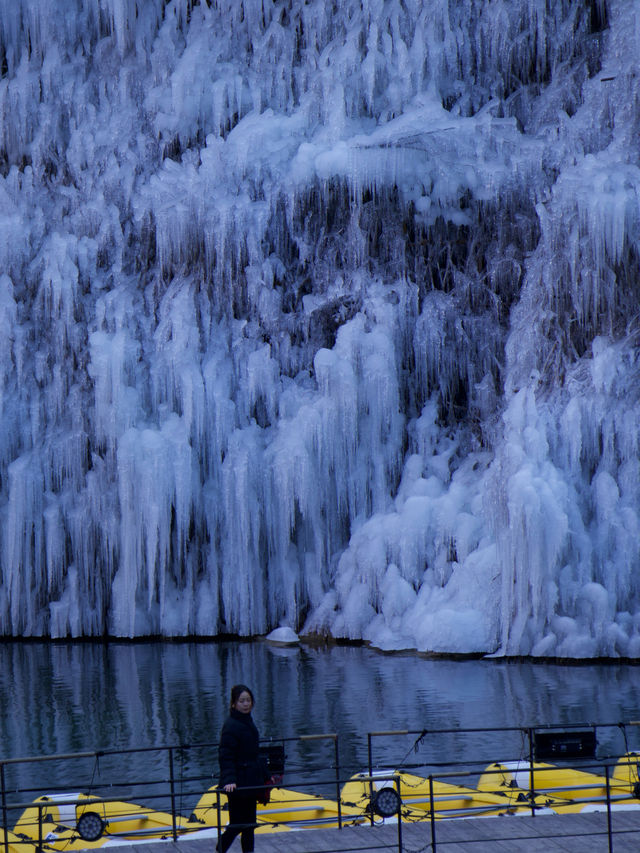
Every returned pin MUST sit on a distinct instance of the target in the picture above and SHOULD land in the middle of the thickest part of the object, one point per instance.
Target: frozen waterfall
(322, 315)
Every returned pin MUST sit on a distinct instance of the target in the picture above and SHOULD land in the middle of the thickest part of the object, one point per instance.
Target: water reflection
(60, 698)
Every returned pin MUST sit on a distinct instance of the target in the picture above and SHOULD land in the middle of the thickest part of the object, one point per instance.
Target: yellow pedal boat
(79, 821)
(449, 800)
(18, 844)
(286, 809)
(568, 789)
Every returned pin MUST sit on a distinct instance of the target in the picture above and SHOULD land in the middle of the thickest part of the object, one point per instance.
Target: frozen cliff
(322, 314)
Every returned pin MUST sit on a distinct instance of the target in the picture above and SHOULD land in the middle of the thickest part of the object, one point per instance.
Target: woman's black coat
(238, 753)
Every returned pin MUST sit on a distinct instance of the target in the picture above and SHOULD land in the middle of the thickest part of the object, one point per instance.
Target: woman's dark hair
(237, 690)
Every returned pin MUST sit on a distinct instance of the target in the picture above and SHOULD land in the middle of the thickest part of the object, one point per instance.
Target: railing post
(370, 761)
(532, 781)
(338, 797)
(173, 795)
(398, 789)
(219, 813)
(609, 830)
(433, 814)
(39, 826)
(5, 817)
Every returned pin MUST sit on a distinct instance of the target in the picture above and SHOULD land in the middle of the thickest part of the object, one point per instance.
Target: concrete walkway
(574, 833)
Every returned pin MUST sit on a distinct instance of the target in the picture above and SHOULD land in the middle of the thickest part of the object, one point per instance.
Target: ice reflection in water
(60, 698)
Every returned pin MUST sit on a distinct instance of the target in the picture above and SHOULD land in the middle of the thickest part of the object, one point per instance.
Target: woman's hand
(230, 787)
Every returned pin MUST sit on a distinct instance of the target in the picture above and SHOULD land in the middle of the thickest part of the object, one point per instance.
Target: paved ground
(580, 833)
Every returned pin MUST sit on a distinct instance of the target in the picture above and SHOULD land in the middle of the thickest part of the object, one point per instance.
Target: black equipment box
(564, 744)
(274, 756)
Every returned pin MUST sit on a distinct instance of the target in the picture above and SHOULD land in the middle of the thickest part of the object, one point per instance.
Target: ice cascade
(322, 317)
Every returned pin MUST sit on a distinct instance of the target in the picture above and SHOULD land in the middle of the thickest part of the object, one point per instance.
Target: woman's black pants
(242, 822)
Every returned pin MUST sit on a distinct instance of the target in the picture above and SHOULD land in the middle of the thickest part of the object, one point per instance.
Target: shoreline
(317, 642)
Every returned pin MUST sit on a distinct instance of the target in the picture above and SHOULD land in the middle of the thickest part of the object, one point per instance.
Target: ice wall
(321, 314)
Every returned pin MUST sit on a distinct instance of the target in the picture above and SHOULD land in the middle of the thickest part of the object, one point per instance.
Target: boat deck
(570, 833)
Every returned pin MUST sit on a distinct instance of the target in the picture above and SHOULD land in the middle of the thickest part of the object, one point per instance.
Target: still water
(60, 698)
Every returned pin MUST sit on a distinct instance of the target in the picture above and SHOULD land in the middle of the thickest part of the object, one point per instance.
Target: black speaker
(274, 757)
(564, 744)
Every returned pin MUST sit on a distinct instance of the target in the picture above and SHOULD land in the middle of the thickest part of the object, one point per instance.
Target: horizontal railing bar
(303, 822)
(36, 758)
(599, 799)
(577, 788)
(327, 736)
(549, 768)
(287, 808)
(136, 833)
(534, 728)
(440, 798)
(390, 733)
(471, 810)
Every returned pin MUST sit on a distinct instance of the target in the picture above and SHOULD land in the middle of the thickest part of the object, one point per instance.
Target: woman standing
(241, 772)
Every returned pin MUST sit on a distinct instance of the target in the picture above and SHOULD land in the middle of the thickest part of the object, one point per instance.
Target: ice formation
(323, 316)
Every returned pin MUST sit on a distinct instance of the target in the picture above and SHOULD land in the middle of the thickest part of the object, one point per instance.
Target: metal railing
(172, 788)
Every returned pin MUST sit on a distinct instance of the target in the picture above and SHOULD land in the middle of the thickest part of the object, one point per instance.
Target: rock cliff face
(324, 315)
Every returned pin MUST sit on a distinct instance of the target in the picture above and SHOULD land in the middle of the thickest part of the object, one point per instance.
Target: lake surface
(60, 698)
